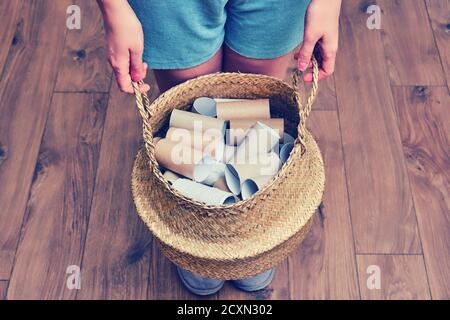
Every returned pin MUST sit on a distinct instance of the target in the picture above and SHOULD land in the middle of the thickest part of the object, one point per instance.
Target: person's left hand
(322, 34)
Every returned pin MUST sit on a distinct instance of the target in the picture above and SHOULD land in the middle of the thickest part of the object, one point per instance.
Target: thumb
(305, 53)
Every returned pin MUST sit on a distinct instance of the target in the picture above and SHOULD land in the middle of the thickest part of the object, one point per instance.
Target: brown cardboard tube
(177, 157)
(209, 142)
(248, 109)
(239, 128)
(196, 122)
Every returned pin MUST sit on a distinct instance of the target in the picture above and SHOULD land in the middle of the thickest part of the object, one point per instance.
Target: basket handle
(143, 104)
(305, 109)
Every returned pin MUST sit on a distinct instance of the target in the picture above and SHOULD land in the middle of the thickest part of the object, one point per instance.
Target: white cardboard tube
(171, 176)
(239, 128)
(252, 185)
(261, 165)
(287, 138)
(260, 139)
(285, 151)
(177, 157)
(205, 106)
(209, 171)
(196, 122)
(247, 109)
(202, 193)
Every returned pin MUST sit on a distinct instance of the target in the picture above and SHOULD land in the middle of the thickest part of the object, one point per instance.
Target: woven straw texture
(250, 236)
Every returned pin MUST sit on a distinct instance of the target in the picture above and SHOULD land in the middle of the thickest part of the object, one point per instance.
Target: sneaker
(199, 285)
(255, 283)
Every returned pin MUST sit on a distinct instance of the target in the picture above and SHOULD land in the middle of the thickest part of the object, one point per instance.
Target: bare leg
(277, 67)
(166, 79)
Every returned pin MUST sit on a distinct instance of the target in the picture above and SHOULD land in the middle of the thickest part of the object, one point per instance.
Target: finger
(144, 88)
(328, 54)
(137, 69)
(305, 52)
(124, 83)
(308, 77)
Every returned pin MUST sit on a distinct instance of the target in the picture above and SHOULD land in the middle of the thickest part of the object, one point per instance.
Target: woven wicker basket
(250, 236)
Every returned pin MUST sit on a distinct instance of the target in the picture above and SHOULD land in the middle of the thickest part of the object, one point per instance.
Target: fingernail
(302, 66)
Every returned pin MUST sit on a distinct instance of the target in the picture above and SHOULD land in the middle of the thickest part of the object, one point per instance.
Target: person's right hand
(125, 44)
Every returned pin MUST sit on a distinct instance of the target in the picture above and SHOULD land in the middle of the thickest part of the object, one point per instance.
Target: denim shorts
(184, 33)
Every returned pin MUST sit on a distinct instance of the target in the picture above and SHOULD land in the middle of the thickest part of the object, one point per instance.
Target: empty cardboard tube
(205, 106)
(202, 193)
(177, 157)
(171, 176)
(209, 171)
(252, 185)
(260, 139)
(228, 99)
(210, 144)
(238, 128)
(285, 151)
(261, 165)
(287, 138)
(196, 122)
(221, 184)
(247, 109)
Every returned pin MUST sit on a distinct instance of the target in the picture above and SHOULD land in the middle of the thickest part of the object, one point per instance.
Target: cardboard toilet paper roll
(260, 139)
(247, 109)
(287, 138)
(252, 185)
(177, 157)
(221, 184)
(202, 193)
(285, 151)
(210, 144)
(205, 106)
(228, 153)
(238, 128)
(196, 122)
(228, 99)
(209, 171)
(171, 176)
(261, 165)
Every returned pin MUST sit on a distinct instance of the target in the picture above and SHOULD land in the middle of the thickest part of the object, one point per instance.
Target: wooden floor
(68, 139)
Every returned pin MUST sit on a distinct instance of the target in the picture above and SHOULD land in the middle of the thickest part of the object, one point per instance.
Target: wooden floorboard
(408, 37)
(438, 11)
(424, 120)
(25, 92)
(381, 205)
(324, 266)
(84, 65)
(3, 289)
(67, 147)
(11, 25)
(55, 227)
(116, 258)
(402, 277)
